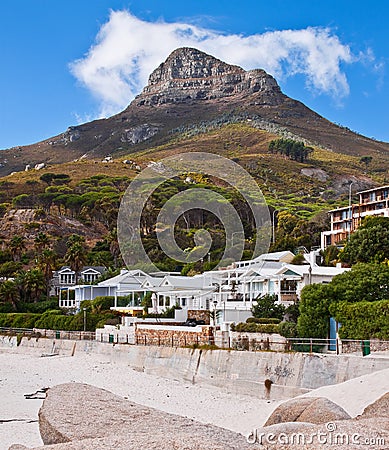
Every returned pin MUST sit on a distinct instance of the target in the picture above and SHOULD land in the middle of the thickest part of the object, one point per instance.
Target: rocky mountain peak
(190, 74)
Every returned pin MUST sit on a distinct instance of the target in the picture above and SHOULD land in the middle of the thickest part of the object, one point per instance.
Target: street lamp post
(84, 309)
(273, 227)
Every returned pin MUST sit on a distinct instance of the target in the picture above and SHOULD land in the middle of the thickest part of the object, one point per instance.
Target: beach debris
(37, 395)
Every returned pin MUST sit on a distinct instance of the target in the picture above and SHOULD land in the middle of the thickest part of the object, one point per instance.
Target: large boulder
(307, 409)
(79, 416)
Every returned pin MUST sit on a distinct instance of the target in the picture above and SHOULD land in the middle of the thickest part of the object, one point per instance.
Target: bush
(263, 320)
(18, 320)
(362, 320)
(39, 307)
(288, 329)
(256, 327)
(102, 303)
(268, 306)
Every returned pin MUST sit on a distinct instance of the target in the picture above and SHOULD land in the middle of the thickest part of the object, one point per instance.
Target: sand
(25, 374)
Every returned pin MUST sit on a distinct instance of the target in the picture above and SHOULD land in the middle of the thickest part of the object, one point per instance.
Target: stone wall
(364, 347)
(241, 372)
(199, 315)
(173, 336)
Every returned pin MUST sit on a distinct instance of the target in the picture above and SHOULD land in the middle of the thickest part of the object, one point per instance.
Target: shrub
(18, 320)
(256, 327)
(362, 320)
(288, 329)
(263, 320)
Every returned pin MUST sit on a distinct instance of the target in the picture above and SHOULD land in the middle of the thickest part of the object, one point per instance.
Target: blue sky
(67, 62)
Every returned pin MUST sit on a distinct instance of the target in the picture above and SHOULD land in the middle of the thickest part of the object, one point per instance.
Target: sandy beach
(25, 374)
(22, 374)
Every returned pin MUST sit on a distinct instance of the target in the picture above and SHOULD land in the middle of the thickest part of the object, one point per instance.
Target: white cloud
(127, 50)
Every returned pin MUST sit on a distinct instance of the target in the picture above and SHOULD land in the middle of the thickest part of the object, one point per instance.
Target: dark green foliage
(53, 178)
(256, 327)
(362, 320)
(368, 282)
(39, 307)
(99, 304)
(314, 314)
(369, 243)
(292, 312)
(17, 320)
(292, 232)
(288, 329)
(330, 255)
(10, 268)
(364, 282)
(294, 150)
(263, 320)
(267, 306)
(366, 160)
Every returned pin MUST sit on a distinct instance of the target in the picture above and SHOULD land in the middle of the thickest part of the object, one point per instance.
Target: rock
(190, 74)
(307, 409)
(139, 133)
(39, 166)
(318, 174)
(79, 416)
(379, 408)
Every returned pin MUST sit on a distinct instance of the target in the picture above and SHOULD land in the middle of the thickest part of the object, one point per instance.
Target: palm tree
(34, 284)
(76, 257)
(47, 264)
(17, 245)
(9, 293)
(41, 241)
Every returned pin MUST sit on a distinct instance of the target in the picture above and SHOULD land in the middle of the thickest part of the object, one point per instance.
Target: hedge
(255, 327)
(18, 320)
(362, 320)
(55, 320)
(263, 320)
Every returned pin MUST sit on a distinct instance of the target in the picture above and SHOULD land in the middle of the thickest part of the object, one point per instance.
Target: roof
(123, 277)
(373, 189)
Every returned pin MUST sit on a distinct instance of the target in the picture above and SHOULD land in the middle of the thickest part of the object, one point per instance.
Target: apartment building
(344, 221)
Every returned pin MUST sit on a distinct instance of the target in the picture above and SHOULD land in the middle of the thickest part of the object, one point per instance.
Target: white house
(233, 290)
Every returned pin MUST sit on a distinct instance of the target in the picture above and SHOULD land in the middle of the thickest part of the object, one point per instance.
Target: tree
(9, 293)
(76, 255)
(330, 255)
(364, 282)
(313, 320)
(267, 307)
(17, 245)
(46, 263)
(369, 243)
(41, 241)
(291, 149)
(366, 160)
(34, 285)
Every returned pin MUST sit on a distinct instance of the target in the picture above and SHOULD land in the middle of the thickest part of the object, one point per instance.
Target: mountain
(193, 90)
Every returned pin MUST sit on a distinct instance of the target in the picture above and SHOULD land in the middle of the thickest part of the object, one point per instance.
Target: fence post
(310, 345)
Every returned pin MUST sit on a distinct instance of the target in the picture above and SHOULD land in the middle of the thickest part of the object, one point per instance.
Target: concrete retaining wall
(240, 372)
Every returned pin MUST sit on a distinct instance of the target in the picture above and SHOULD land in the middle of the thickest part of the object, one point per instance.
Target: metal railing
(50, 334)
